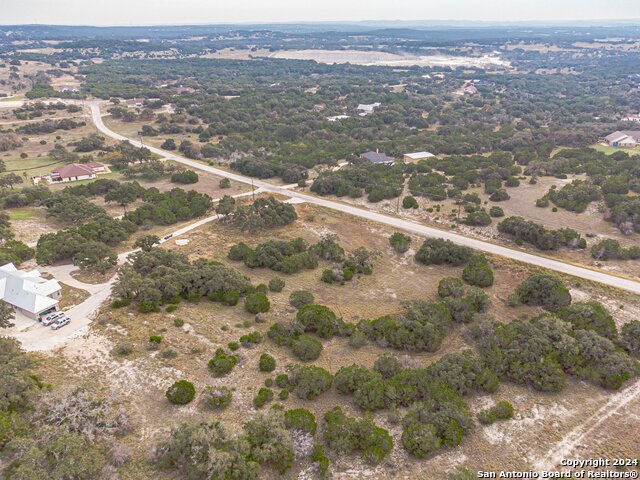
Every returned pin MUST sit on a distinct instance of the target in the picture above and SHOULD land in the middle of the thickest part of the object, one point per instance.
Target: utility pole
(253, 192)
(398, 205)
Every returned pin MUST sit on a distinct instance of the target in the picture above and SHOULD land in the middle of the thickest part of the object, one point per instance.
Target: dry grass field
(544, 424)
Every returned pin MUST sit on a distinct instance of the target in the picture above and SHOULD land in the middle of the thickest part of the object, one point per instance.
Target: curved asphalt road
(399, 223)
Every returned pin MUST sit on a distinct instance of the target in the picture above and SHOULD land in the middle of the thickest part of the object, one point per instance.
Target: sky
(174, 12)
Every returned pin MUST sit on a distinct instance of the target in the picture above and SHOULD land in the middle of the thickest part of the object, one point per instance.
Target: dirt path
(564, 448)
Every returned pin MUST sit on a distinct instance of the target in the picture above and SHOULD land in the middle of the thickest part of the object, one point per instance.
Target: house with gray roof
(378, 157)
(28, 292)
(626, 138)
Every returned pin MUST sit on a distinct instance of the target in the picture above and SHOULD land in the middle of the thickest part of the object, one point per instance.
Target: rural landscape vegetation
(341, 251)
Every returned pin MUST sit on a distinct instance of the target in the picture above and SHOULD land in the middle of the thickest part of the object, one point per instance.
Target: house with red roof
(77, 171)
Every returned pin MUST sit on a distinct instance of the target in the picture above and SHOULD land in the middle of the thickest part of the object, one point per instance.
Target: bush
(478, 273)
(300, 298)
(178, 322)
(437, 251)
(155, 339)
(544, 290)
(346, 434)
(400, 242)
(306, 348)
(171, 308)
(257, 303)
(284, 394)
(264, 395)
(300, 419)
(589, 315)
(478, 218)
(233, 346)
(251, 339)
(311, 381)
(123, 349)
(185, 177)
(351, 378)
(630, 337)
(181, 392)
(225, 183)
(499, 196)
(276, 284)
(318, 319)
(501, 411)
(387, 365)
(421, 440)
(217, 397)
(496, 212)
(282, 380)
(221, 363)
(230, 298)
(409, 202)
(267, 363)
(610, 249)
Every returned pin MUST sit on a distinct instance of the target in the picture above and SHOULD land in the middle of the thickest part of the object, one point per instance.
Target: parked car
(61, 322)
(167, 237)
(49, 319)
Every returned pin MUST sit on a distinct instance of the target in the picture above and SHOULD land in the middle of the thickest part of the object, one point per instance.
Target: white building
(417, 156)
(366, 109)
(337, 117)
(27, 291)
(624, 139)
(632, 118)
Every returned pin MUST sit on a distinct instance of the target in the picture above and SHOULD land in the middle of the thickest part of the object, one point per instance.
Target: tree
(125, 194)
(6, 315)
(9, 180)
(56, 454)
(146, 242)
(225, 183)
(438, 251)
(409, 202)
(306, 348)
(169, 144)
(421, 440)
(226, 205)
(5, 228)
(545, 290)
(185, 177)
(478, 272)
(95, 255)
(310, 381)
(300, 419)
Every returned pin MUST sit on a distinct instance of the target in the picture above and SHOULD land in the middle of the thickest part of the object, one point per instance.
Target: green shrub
(282, 380)
(501, 411)
(217, 397)
(544, 290)
(311, 381)
(437, 251)
(300, 419)
(268, 382)
(478, 273)
(168, 354)
(409, 202)
(387, 365)
(351, 378)
(171, 308)
(264, 395)
(251, 339)
(178, 322)
(400, 242)
(267, 363)
(284, 394)
(496, 212)
(346, 434)
(233, 346)
(230, 298)
(306, 348)
(181, 392)
(256, 303)
(630, 337)
(276, 284)
(589, 315)
(155, 339)
(421, 440)
(221, 363)
(300, 298)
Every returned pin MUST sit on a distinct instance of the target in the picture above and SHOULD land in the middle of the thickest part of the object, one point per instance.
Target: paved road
(396, 222)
